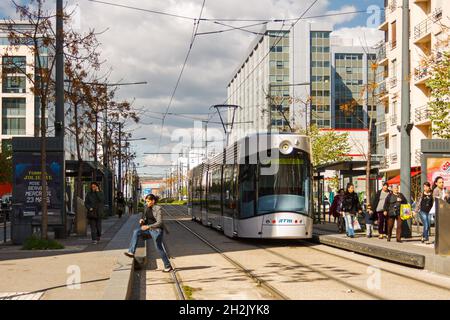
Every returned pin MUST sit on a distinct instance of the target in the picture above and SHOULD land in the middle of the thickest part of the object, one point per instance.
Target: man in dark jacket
(392, 211)
(151, 226)
(378, 207)
(94, 205)
(351, 207)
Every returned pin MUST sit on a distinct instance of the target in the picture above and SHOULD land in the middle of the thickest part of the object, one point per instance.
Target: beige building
(426, 17)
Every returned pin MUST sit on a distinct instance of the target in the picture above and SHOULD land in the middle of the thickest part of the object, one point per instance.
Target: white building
(303, 73)
(425, 30)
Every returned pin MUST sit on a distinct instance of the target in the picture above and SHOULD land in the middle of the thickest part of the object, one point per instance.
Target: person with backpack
(392, 211)
(350, 207)
(378, 208)
(151, 226)
(94, 204)
(336, 206)
(423, 208)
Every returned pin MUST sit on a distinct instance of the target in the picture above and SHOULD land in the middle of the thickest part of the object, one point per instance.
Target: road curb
(120, 284)
(391, 255)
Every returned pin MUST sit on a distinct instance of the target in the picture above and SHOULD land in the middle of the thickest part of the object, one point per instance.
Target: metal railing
(392, 82)
(420, 73)
(422, 113)
(393, 120)
(422, 28)
(382, 88)
(417, 155)
(381, 52)
(384, 163)
(436, 15)
(393, 157)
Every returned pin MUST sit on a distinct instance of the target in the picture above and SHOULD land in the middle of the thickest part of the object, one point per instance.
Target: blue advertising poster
(27, 188)
(147, 191)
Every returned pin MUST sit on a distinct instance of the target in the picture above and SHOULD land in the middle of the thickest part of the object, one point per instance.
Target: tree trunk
(44, 217)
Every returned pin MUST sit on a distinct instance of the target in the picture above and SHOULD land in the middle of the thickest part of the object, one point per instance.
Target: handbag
(92, 214)
(356, 225)
(405, 212)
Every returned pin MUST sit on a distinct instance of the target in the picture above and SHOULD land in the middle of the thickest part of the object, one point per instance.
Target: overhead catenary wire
(196, 26)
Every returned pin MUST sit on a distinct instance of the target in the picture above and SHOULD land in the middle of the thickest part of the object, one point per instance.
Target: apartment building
(304, 75)
(425, 30)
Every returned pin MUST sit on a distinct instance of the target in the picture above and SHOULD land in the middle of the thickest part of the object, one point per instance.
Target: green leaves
(328, 146)
(439, 105)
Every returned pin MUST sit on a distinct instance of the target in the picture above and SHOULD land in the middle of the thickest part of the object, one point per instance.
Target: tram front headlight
(286, 147)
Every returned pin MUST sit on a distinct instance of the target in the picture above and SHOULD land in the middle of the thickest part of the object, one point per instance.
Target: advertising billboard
(27, 188)
(438, 167)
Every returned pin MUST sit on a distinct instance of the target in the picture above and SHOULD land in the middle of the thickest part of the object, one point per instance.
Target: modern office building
(426, 17)
(305, 76)
(19, 107)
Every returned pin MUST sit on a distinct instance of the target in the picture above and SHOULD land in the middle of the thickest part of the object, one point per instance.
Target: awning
(396, 179)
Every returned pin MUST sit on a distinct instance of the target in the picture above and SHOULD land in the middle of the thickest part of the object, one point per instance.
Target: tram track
(276, 294)
(332, 277)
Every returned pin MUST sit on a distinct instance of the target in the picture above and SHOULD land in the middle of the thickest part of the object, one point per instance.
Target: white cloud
(362, 36)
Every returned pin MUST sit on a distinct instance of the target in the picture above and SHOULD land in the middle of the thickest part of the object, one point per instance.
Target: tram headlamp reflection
(286, 147)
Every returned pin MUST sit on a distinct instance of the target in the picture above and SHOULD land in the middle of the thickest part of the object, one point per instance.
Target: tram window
(247, 178)
(286, 190)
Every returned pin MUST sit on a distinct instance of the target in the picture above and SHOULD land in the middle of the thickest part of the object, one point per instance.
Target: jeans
(157, 236)
(349, 224)
(425, 217)
(96, 229)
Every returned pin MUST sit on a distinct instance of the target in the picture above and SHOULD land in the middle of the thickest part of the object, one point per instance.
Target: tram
(259, 187)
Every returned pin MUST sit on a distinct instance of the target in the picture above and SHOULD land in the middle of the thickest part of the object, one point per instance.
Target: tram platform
(410, 252)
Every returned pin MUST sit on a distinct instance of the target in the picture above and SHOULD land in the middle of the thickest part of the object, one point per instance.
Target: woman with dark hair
(94, 205)
(336, 208)
(350, 206)
(378, 207)
(120, 201)
(151, 226)
(423, 208)
(438, 188)
(392, 211)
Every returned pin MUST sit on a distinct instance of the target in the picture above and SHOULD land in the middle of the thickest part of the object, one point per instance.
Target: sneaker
(129, 254)
(168, 269)
(400, 241)
(94, 242)
(380, 236)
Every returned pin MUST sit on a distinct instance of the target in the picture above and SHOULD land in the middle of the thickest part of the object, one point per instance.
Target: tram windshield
(288, 188)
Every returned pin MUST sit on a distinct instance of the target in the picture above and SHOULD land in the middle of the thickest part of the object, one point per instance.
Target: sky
(142, 46)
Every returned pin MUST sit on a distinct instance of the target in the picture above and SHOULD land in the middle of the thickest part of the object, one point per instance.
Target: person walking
(392, 212)
(378, 207)
(130, 206)
(438, 188)
(94, 204)
(370, 218)
(350, 206)
(336, 208)
(151, 226)
(423, 208)
(120, 203)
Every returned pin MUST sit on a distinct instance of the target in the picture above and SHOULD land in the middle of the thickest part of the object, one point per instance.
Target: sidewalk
(410, 252)
(45, 274)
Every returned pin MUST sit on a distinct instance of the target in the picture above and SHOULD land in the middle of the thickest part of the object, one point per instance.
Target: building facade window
(14, 64)
(14, 84)
(13, 116)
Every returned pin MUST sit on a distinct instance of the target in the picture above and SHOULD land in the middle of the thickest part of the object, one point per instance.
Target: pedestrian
(151, 226)
(438, 188)
(351, 207)
(130, 206)
(336, 207)
(392, 212)
(370, 217)
(423, 208)
(378, 207)
(94, 204)
(120, 203)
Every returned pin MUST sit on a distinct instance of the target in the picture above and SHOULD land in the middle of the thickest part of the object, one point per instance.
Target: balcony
(417, 156)
(422, 116)
(422, 31)
(384, 163)
(381, 54)
(393, 158)
(392, 44)
(392, 82)
(382, 91)
(393, 120)
(382, 128)
(383, 21)
(421, 75)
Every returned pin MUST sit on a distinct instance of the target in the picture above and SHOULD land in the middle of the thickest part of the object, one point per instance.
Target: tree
(328, 146)
(6, 165)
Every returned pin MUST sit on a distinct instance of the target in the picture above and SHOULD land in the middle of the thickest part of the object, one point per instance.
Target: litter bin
(442, 242)
(21, 228)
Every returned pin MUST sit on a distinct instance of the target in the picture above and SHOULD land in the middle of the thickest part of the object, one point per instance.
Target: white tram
(256, 192)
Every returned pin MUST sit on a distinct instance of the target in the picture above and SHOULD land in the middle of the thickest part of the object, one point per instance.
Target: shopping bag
(405, 212)
(356, 225)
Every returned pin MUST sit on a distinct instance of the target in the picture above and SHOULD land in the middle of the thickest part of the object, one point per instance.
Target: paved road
(299, 269)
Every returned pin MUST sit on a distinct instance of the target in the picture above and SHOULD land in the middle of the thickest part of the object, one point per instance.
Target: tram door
(229, 199)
